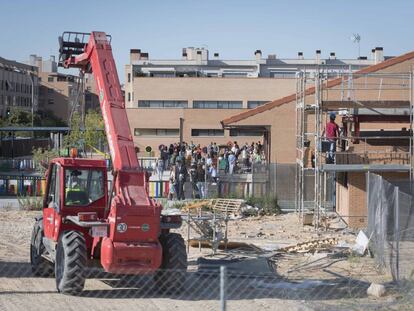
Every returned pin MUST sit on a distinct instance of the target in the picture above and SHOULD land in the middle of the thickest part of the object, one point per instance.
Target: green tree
(89, 137)
(42, 157)
(75, 136)
(94, 133)
(18, 118)
(22, 118)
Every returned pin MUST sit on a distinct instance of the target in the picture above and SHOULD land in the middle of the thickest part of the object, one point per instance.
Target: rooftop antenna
(356, 38)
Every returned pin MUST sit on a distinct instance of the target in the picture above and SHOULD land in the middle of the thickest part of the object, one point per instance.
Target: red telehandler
(84, 223)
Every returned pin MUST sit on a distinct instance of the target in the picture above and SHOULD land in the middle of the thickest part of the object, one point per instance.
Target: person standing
(213, 173)
(201, 179)
(209, 161)
(165, 157)
(171, 185)
(245, 157)
(216, 150)
(160, 168)
(331, 133)
(180, 178)
(232, 162)
(226, 161)
(193, 180)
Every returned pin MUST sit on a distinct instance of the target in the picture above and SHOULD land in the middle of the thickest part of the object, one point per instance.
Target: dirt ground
(330, 284)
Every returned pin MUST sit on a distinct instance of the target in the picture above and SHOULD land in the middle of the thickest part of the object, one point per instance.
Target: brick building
(202, 90)
(377, 105)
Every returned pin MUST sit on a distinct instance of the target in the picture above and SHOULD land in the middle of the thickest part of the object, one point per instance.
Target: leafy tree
(42, 157)
(91, 136)
(94, 129)
(22, 118)
(75, 136)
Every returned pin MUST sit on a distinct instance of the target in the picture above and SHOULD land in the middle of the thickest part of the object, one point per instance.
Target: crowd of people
(196, 164)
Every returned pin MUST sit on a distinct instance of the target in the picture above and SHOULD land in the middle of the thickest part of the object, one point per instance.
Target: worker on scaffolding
(331, 133)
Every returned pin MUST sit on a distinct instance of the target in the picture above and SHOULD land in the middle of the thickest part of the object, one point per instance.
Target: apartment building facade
(202, 91)
(60, 93)
(19, 86)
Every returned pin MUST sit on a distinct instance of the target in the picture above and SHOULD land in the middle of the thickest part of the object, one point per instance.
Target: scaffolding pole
(346, 89)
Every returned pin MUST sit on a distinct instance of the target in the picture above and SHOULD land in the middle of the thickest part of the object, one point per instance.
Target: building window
(256, 103)
(157, 132)
(245, 132)
(129, 96)
(207, 132)
(219, 104)
(129, 77)
(283, 74)
(50, 101)
(49, 79)
(234, 74)
(162, 104)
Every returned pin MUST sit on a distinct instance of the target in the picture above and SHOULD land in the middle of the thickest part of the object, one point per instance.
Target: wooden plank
(229, 205)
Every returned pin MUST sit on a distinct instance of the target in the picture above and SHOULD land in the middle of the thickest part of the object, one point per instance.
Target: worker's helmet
(332, 116)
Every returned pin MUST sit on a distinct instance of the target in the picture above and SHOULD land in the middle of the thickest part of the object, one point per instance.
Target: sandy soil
(329, 285)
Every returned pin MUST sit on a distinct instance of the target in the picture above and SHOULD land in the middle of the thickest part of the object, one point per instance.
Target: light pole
(181, 132)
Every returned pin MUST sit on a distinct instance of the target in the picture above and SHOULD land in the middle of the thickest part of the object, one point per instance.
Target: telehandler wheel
(172, 273)
(70, 263)
(40, 265)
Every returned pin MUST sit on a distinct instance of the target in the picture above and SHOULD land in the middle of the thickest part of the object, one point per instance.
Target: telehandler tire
(40, 266)
(70, 263)
(171, 276)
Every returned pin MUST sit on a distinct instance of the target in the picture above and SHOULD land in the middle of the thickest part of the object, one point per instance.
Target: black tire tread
(73, 277)
(41, 267)
(172, 273)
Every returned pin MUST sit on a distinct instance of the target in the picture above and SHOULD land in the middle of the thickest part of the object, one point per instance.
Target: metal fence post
(223, 288)
(397, 233)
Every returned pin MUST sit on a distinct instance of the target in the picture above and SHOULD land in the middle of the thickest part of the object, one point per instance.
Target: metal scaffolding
(357, 98)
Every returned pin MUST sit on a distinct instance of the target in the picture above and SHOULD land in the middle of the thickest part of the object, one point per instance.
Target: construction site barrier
(22, 185)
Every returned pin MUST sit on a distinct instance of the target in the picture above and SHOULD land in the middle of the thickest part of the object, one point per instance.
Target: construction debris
(222, 245)
(376, 290)
(311, 246)
(209, 219)
(361, 243)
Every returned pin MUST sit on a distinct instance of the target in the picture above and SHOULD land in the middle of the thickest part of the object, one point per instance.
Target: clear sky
(233, 28)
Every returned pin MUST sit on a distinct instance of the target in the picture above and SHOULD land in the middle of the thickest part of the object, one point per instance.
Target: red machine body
(133, 218)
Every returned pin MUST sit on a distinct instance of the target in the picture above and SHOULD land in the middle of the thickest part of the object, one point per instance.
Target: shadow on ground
(205, 285)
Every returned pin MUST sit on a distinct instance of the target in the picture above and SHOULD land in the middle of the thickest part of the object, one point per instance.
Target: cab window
(83, 187)
(53, 191)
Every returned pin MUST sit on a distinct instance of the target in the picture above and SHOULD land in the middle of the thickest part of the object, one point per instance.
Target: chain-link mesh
(258, 280)
(391, 224)
(202, 290)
